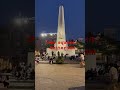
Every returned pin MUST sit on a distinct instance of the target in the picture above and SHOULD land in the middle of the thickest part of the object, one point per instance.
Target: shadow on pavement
(77, 88)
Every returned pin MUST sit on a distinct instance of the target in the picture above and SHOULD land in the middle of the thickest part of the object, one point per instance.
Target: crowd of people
(91, 74)
(111, 71)
(23, 71)
(4, 77)
(44, 56)
(19, 72)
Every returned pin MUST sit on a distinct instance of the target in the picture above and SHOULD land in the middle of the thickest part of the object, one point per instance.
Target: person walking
(51, 60)
(113, 73)
(82, 62)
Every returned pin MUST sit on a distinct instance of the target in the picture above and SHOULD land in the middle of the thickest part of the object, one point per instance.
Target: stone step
(21, 84)
(19, 89)
(94, 89)
(95, 86)
(4, 74)
(11, 77)
(21, 81)
(97, 81)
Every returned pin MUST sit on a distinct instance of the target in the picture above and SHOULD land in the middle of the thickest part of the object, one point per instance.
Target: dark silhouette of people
(62, 54)
(51, 60)
(5, 82)
(48, 57)
(52, 53)
(58, 53)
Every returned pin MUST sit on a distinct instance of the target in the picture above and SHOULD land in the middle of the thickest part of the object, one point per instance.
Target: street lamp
(51, 34)
(43, 34)
(47, 34)
(20, 21)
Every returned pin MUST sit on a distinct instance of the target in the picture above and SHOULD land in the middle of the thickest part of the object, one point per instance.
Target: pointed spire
(61, 24)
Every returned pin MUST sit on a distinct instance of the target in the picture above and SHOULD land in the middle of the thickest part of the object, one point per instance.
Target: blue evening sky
(46, 17)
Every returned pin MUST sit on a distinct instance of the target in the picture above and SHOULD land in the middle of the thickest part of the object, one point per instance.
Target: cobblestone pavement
(59, 77)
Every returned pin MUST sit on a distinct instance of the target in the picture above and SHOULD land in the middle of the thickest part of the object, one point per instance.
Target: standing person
(52, 53)
(48, 58)
(82, 62)
(6, 82)
(113, 77)
(51, 60)
(119, 75)
(58, 54)
(62, 54)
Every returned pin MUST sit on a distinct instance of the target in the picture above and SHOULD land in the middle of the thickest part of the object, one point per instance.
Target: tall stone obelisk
(61, 37)
(61, 25)
(62, 47)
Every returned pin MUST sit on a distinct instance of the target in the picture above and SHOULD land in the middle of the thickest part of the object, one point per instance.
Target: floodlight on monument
(43, 34)
(51, 34)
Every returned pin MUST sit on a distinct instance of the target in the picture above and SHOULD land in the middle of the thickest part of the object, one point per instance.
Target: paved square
(59, 77)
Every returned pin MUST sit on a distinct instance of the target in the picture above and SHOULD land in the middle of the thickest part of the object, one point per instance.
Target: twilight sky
(46, 16)
(100, 13)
